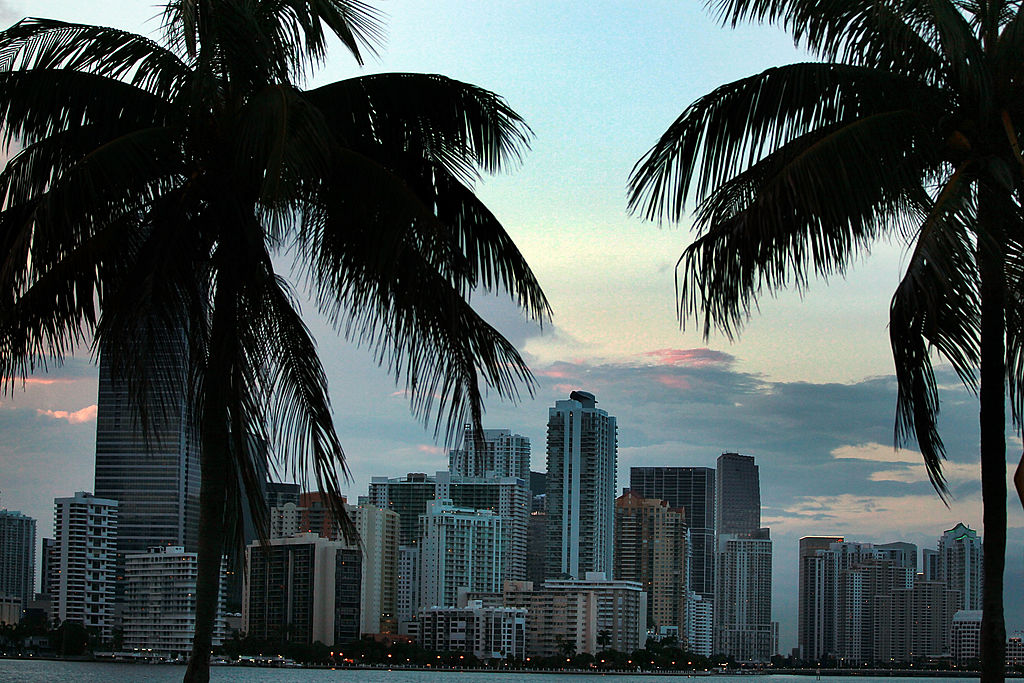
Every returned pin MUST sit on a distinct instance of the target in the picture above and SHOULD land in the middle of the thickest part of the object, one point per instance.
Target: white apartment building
(459, 548)
(82, 569)
(160, 600)
(486, 632)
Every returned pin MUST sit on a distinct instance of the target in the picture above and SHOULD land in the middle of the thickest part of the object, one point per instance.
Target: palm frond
(805, 209)
(465, 128)
(730, 129)
(926, 312)
(49, 45)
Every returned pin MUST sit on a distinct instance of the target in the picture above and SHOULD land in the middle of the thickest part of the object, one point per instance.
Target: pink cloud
(37, 381)
(694, 358)
(673, 381)
(557, 374)
(87, 414)
(427, 448)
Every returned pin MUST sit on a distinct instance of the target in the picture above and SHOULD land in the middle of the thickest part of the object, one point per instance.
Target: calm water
(29, 671)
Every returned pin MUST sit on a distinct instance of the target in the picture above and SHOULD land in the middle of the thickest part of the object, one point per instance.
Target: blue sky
(807, 389)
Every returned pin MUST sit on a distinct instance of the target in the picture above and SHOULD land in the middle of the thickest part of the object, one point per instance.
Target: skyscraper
(83, 570)
(691, 489)
(582, 449)
(743, 563)
(17, 555)
(959, 564)
(153, 474)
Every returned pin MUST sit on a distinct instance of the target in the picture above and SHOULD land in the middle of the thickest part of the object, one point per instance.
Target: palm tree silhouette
(907, 127)
(156, 181)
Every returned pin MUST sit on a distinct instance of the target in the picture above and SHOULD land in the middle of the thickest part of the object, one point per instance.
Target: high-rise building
(743, 563)
(491, 453)
(152, 472)
(959, 564)
(691, 489)
(378, 534)
(301, 589)
(930, 564)
(743, 596)
(582, 450)
(82, 573)
(17, 555)
(461, 548)
(160, 601)
(737, 495)
(536, 546)
(650, 548)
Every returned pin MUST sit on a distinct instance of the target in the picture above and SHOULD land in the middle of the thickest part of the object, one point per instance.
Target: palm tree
(156, 180)
(908, 126)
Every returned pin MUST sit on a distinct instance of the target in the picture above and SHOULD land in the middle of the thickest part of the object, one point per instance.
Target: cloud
(432, 450)
(695, 358)
(875, 452)
(87, 414)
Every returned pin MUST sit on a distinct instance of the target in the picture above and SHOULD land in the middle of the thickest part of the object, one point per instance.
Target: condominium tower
(582, 448)
(650, 548)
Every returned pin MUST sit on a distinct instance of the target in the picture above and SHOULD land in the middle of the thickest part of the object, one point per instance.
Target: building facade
(83, 561)
(691, 489)
(965, 636)
(160, 600)
(582, 452)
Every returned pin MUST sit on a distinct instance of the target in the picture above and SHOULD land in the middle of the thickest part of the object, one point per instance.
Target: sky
(807, 388)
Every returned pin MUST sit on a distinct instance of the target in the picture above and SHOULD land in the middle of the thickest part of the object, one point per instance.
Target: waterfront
(40, 671)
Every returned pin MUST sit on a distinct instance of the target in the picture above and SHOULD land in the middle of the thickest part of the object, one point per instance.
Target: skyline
(807, 389)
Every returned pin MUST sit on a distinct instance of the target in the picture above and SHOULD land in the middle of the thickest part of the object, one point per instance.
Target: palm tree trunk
(993, 447)
(211, 547)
